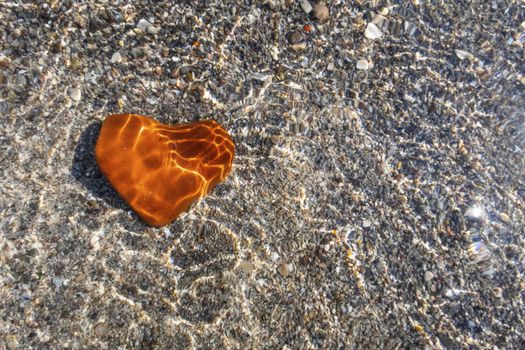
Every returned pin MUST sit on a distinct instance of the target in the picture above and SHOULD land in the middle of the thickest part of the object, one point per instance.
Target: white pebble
(306, 6)
(116, 58)
(504, 217)
(144, 25)
(75, 94)
(372, 32)
(409, 98)
(462, 54)
(362, 64)
(58, 281)
(428, 276)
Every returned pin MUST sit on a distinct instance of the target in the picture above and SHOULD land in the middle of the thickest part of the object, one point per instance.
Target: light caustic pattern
(161, 170)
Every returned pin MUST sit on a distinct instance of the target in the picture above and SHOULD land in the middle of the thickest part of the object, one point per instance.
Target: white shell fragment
(462, 54)
(372, 32)
(362, 64)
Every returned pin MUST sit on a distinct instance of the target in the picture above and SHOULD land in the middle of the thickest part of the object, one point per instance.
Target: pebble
(21, 80)
(462, 54)
(101, 329)
(116, 58)
(295, 37)
(409, 98)
(321, 11)
(283, 269)
(362, 64)
(306, 6)
(107, 155)
(276, 139)
(372, 32)
(246, 266)
(147, 27)
(75, 94)
(79, 21)
(428, 276)
(504, 217)
(144, 25)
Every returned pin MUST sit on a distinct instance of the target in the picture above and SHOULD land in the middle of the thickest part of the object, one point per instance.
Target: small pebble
(362, 64)
(321, 11)
(21, 80)
(372, 32)
(12, 345)
(295, 37)
(246, 266)
(306, 6)
(276, 139)
(283, 269)
(462, 54)
(101, 329)
(116, 58)
(504, 217)
(409, 98)
(428, 276)
(75, 94)
(143, 25)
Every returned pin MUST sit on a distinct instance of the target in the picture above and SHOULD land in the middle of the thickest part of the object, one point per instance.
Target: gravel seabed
(376, 199)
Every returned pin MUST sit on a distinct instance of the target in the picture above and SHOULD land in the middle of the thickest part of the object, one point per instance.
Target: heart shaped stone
(160, 170)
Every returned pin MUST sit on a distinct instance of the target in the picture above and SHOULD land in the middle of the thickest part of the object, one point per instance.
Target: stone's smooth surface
(372, 32)
(428, 276)
(362, 64)
(283, 269)
(294, 37)
(504, 217)
(306, 6)
(321, 11)
(143, 25)
(160, 170)
(462, 54)
(75, 94)
(246, 266)
(116, 57)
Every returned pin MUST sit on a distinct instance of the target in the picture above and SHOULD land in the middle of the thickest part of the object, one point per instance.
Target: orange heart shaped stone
(160, 170)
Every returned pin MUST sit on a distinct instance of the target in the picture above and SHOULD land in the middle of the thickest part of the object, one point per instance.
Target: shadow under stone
(86, 171)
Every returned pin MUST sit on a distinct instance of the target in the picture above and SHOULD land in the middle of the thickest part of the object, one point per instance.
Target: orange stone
(160, 170)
